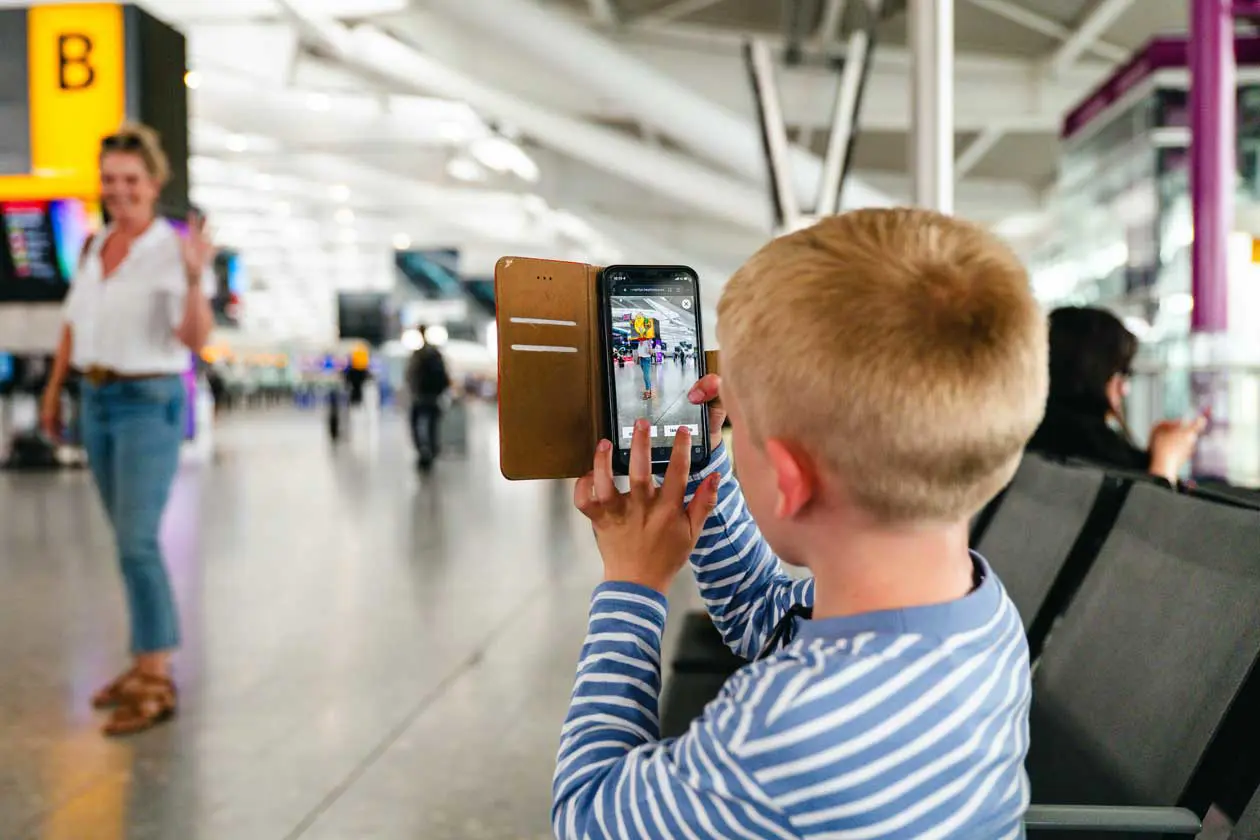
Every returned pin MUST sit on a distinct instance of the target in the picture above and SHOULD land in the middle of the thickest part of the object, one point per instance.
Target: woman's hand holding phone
(1172, 444)
(646, 535)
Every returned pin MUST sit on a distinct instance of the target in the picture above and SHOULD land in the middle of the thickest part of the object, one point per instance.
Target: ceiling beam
(829, 26)
(675, 11)
(1096, 23)
(711, 130)
(605, 12)
(1049, 27)
(975, 151)
(377, 54)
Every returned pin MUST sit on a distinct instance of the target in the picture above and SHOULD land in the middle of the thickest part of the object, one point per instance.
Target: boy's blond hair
(902, 349)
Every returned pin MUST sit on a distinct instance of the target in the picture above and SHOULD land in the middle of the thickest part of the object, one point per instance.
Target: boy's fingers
(675, 486)
(584, 496)
(641, 482)
(605, 489)
(702, 503)
(706, 390)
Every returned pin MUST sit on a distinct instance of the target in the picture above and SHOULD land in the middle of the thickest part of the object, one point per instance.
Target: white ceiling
(325, 132)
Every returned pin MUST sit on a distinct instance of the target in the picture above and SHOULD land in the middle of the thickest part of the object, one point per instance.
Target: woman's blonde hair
(139, 139)
(902, 348)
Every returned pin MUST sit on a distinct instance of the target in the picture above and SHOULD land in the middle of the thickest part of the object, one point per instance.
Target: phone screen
(652, 321)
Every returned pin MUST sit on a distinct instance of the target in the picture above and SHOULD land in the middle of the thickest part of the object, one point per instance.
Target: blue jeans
(132, 433)
(645, 363)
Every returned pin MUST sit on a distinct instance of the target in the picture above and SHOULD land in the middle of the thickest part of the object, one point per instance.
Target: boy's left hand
(646, 535)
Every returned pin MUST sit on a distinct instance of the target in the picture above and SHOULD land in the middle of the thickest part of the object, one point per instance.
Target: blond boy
(883, 371)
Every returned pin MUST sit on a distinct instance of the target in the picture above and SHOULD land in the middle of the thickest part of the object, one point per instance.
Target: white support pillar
(932, 97)
(787, 212)
(843, 122)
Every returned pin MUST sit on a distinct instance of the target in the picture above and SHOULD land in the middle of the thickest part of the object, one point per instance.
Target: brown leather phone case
(552, 406)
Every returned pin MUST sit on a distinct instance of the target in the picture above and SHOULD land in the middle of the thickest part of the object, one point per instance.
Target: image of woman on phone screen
(645, 364)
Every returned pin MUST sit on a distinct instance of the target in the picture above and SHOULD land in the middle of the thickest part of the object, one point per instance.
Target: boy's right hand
(646, 535)
(707, 390)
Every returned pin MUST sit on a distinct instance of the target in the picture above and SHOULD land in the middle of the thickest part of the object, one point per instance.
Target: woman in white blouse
(135, 310)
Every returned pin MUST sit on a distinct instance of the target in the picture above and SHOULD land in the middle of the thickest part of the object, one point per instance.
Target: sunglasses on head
(120, 143)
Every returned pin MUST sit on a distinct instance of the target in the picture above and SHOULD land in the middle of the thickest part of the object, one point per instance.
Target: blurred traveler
(218, 388)
(428, 380)
(136, 308)
(357, 374)
(1091, 358)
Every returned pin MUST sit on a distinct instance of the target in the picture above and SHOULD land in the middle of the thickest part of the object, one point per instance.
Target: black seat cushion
(1158, 641)
(1042, 512)
(700, 647)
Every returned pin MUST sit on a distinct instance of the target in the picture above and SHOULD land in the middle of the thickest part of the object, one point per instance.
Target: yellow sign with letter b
(77, 72)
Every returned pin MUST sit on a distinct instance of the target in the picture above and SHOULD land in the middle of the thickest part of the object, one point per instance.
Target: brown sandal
(147, 702)
(113, 694)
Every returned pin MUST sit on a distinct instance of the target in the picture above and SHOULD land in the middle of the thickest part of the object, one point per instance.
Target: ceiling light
(237, 142)
(453, 131)
(437, 335)
(401, 242)
(345, 216)
(534, 204)
(412, 339)
(192, 80)
(339, 192)
(319, 102)
(464, 169)
(502, 155)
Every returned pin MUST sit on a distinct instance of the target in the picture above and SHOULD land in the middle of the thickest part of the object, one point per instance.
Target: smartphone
(654, 355)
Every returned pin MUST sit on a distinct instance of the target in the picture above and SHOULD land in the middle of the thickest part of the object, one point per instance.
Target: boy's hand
(646, 535)
(706, 391)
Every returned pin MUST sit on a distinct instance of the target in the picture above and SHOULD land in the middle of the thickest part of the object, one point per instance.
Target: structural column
(1213, 163)
(932, 103)
(1213, 139)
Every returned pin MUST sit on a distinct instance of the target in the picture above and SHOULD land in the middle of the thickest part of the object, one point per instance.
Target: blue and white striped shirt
(897, 724)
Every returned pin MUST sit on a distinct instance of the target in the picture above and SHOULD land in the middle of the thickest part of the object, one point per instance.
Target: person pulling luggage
(428, 380)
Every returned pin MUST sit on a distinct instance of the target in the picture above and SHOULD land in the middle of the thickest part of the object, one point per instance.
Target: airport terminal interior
(376, 632)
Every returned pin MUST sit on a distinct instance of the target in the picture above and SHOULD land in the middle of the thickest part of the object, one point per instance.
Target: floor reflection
(355, 635)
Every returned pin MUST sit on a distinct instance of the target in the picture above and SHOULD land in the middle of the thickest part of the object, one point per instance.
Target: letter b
(74, 71)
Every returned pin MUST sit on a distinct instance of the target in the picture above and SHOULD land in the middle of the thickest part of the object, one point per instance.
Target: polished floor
(669, 406)
(368, 654)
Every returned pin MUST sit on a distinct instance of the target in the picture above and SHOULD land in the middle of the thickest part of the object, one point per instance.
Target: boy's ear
(795, 475)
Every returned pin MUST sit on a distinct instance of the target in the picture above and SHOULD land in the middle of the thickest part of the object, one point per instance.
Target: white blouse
(127, 323)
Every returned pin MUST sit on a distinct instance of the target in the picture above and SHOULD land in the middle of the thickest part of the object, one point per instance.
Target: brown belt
(99, 376)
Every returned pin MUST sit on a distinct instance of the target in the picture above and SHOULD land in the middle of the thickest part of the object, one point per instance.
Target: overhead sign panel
(76, 94)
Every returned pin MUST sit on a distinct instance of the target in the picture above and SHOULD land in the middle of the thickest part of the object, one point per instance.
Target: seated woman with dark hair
(1091, 355)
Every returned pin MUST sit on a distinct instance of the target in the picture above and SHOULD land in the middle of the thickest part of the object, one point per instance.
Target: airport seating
(1247, 827)
(1154, 648)
(1151, 594)
(1242, 497)
(1048, 526)
(698, 670)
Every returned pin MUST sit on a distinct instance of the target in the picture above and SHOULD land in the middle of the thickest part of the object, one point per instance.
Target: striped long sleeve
(614, 778)
(879, 726)
(741, 580)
